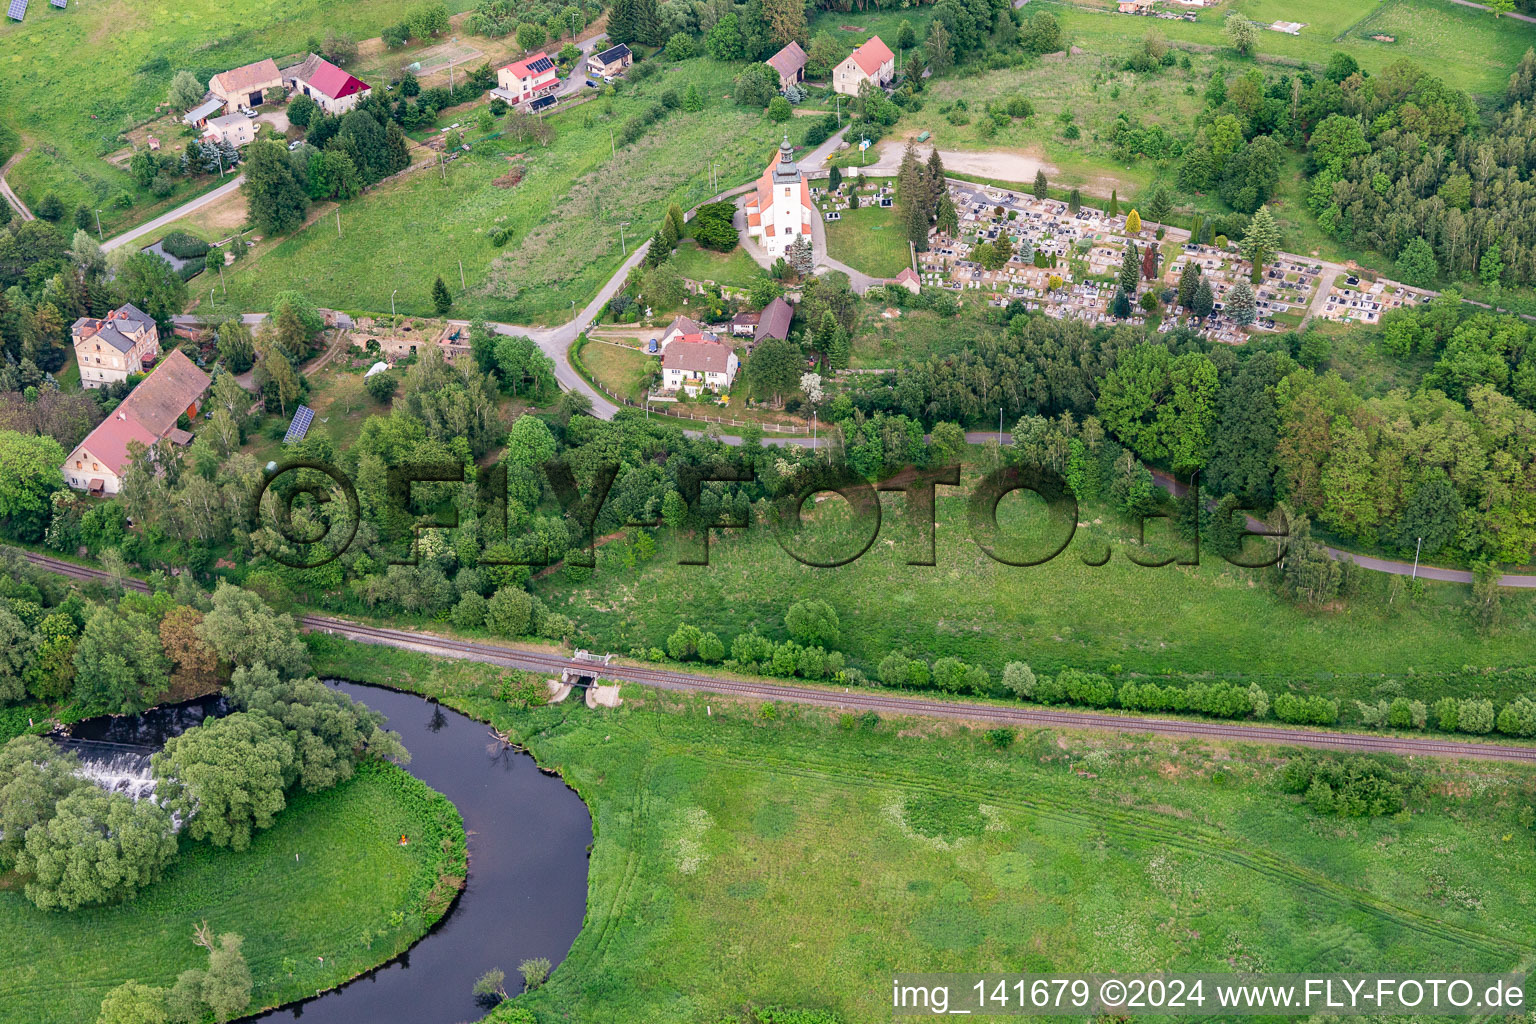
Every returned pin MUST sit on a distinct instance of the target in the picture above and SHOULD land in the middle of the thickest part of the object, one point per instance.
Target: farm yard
(68, 114)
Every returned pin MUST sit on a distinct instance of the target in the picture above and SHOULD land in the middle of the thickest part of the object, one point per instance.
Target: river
(528, 840)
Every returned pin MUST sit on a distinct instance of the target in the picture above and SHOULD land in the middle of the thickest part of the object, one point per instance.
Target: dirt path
(10, 196)
(1000, 164)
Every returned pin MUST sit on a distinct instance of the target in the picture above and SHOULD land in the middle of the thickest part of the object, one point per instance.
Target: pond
(528, 838)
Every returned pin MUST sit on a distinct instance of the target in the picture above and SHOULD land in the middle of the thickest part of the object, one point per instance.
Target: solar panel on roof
(17, 10)
(542, 64)
(303, 416)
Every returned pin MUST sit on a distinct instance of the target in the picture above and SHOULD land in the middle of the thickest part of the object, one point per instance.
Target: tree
(1130, 268)
(1042, 186)
(1114, 203)
(693, 102)
(1416, 264)
(120, 667)
(302, 110)
(1161, 405)
(1241, 33)
(679, 47)
(491, 986)
(785, 20)
(1431, 515)
(1340, 67)
(382, 387)
(773, 370)
(1019, 680)
(724, 40)
(941, 55)
(194, 665)
(1120, 306)
(223, 988)
(813, 623)
(1486, 601)
(779, 109)
(1241, 304)
(1261, 241)
(802, 258)
(244, 630)
(534, 971)
(153, 285)
(186, 91)
(97, 848)
(226, 778)
(442, 301)
(510, 612)
(275, 200)
(35, 775)
(133, 1003)
(906, 38)
(1204, 302)
(29, 475)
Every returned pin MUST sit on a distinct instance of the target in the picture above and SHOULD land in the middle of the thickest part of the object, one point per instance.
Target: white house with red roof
(780, 211)
(872, 62)
(333, 89)
(146, 416)
(526, 79)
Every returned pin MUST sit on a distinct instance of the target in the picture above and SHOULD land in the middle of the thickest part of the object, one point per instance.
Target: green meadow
(320, 897)
(583, 200)
(752, 856)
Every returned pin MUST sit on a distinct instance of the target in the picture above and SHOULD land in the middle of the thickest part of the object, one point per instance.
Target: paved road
(1480, 7)
(533, 660)
(181, 211)
(10, 196)
(1386, 565)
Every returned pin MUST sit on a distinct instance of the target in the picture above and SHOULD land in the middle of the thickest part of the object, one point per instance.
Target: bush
(1356, 787)
(1086, 688)
(779, 109)
(1289, 707)
(1476, 717)
(1019, 680)
(184, 246)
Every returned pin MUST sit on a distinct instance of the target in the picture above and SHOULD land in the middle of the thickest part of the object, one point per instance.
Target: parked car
(295, 144)
(591, 84)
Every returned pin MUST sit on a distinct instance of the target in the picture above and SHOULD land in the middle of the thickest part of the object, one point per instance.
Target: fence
(722, 420)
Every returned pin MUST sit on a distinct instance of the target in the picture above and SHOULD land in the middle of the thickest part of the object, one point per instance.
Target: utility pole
(613, 151)
(221, 277)
(338, 221)
(1416, 551)
(623, 248)
(99, 235)
(392, 302)
(462, 284)
(999, 428)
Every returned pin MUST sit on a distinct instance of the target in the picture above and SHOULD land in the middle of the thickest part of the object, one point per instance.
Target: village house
(774, 321)
(780, 210)
(235, 129)
(680, 327)
(611, 61)
(247, 86)
(146, 416)
(335, 91)
(871, 62)
(123, 342)
(909, 280)
(526, 79)
(695, 362)
(744, 324)
(790, 64)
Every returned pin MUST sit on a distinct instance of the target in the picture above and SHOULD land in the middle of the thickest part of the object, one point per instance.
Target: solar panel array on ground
(17, 10)
(303, 416)
(60, 4)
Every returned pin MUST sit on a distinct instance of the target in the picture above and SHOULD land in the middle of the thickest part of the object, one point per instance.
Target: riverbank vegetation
(1125, 853)
(324, 894)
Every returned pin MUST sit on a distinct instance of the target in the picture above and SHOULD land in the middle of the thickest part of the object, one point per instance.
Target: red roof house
(871, 62)
(526, 79)
(332, 88)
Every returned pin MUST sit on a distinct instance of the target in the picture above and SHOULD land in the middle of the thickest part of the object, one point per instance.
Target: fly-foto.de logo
(313, 511)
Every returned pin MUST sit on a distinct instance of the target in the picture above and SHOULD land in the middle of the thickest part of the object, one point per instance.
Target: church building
(780, 211)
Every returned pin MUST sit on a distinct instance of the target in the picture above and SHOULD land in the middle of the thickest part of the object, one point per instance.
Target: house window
(78, 464)
(94, 467)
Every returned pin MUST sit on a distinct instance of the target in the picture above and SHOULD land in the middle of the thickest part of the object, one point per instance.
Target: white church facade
(780, 211)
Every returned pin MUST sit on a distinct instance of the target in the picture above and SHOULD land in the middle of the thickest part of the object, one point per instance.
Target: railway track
(862, 700)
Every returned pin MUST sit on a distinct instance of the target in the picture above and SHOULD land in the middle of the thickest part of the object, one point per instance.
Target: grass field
(620, 370)
(565, 215)
(1469, 49)
(734, 269)
(1117, 617)
(799, 859)
(72, 112)
(870, 239)
(349, 877)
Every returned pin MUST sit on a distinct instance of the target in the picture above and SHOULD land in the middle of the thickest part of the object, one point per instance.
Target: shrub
(1290, 707)
(1356, 787)
(1476, 716)
(1518, 718)
(1019, 680)
(1087, 688)
(184, 246)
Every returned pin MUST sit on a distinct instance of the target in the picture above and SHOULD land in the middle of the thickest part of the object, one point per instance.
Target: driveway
(174, 215)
